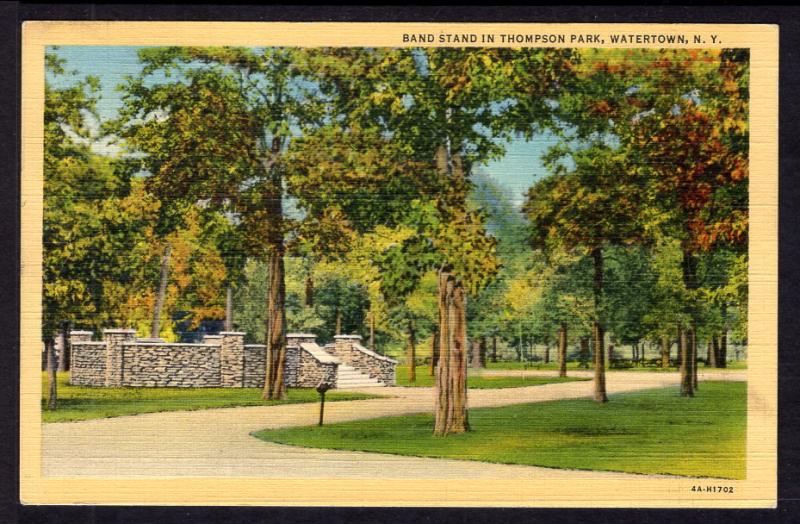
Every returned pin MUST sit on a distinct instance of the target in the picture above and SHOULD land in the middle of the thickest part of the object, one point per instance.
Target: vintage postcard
(399, 264)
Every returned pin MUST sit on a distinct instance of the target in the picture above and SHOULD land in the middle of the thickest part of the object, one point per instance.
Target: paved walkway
(217, 442)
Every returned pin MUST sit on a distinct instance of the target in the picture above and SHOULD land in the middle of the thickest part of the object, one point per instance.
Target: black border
(12, 14)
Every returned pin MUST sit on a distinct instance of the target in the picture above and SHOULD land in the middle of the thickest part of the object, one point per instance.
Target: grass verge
(652, 432)
(425, 379)
(553, 366)
(85, 403)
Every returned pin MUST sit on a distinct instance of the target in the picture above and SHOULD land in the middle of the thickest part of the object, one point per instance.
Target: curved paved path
(217, 442)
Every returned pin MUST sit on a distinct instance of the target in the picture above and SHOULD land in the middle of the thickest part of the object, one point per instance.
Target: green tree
(95, 217)
(452, 107)
(213, 125)
(585, 210)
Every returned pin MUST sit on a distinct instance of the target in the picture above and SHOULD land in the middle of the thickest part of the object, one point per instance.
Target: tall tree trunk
(52, 393)
(481, 362)
(451, 374)
(494, 348)
(338, 328)
(229, 309)
(599, 364)
(693, 345)
(689, 350)
(309, 291)
(562, 350)
(63, 344)
(412, 353)
(472, 353)
(723, 349)
(372, 330)
(666, 343)
(685, 355)
(275, 384)
(546, 349)
(711, 358)
(434, 350)
(610, 354)
(715, 349)
(584, 352)
(598, 331)
(155, 326)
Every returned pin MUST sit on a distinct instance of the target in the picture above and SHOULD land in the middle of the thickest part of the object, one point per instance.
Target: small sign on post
(321, 389)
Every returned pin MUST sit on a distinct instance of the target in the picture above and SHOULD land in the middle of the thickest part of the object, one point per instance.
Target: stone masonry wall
(87, 360)
(115, 353)
(307, 364)
(231, 359)
(348, 348)
(255, 365)
(220, 361)
(176, 365)
(311, 372)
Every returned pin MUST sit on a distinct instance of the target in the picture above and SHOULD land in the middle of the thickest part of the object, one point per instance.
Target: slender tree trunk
(451, 374)
(562, 350)
(52, 393)
(155, 326)
(610, 354)
(229, 309)
(482, 352)
(584, 352)
(666, 343)
(372, 330)
(689, 349)
(412, 353)
(599, 334)
(338, 329)
(723, 349)
(546, 350)
(275, 387)
(309, 291)
(710, 356)
(494, 348)
(715, 349)
(693, 345)
(599, 364)
(434, 351)
(685, 355)
(275, 384)
(63, 357)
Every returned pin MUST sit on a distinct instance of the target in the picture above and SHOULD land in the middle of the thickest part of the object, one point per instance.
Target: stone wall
(255, 365)
(307, 364)
(312, 370)
(171, 365)
(349, 350)
(220, 361)
(123, 360)
(231, 359)
(87, 360)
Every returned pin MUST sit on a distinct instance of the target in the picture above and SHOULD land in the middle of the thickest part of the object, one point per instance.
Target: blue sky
(516, 171)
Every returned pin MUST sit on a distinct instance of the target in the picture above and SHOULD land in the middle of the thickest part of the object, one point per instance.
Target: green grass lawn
(653, 431)
(424, 379)
(84, 403)
(553, 366)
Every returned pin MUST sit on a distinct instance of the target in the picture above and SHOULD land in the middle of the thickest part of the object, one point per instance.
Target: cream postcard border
(759, 489)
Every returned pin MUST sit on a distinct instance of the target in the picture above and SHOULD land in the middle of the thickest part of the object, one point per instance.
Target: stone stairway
(350, 377)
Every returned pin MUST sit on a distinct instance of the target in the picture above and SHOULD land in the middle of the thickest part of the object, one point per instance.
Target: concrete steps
(350, 377)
